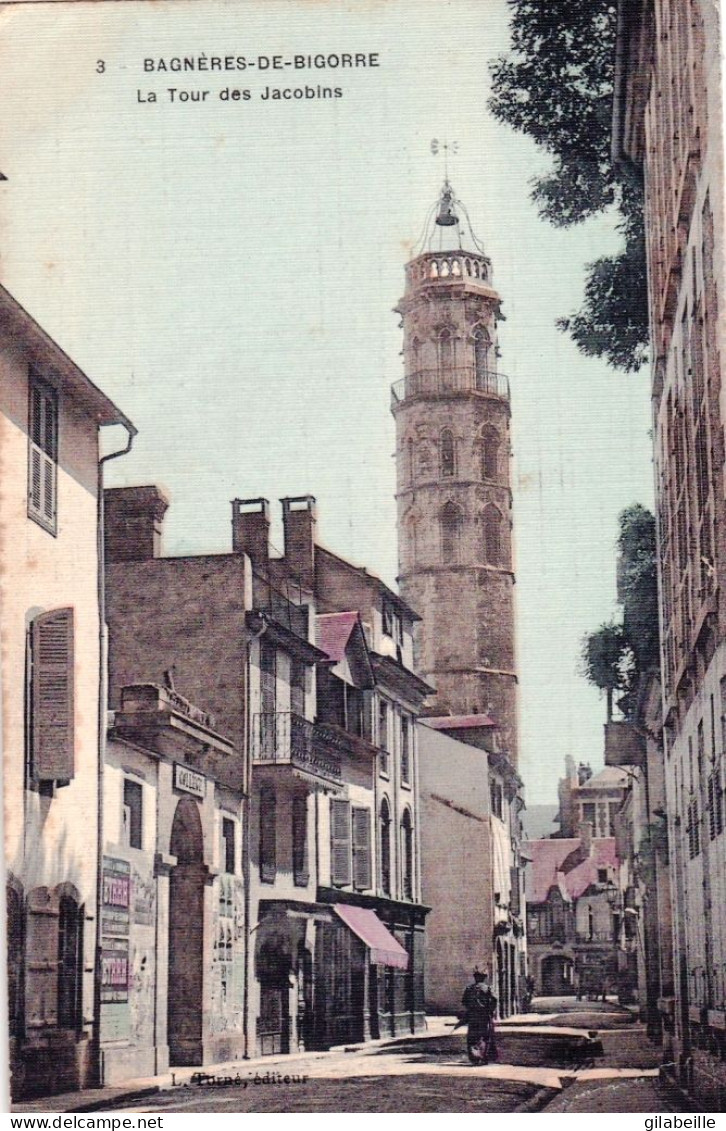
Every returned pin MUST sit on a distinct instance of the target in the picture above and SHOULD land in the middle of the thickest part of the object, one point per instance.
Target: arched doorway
(556, 975)
(186, 936)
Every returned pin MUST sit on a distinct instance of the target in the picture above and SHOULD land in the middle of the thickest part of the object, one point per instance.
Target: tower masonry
(452, 414)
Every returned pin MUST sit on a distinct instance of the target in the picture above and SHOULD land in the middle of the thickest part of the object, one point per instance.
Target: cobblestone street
(602, 1062)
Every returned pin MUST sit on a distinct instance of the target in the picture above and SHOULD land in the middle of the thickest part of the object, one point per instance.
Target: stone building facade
(53, 692)
(595, 798)
(454, 498)
(472, 867)
(172, 904)
(669, 124)
(298, 802)
(574, 915)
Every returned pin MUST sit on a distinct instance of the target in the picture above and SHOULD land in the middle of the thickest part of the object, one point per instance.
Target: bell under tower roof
(448, 227)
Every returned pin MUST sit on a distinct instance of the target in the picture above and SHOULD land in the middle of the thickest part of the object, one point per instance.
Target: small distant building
(595, 798)
(574, 914)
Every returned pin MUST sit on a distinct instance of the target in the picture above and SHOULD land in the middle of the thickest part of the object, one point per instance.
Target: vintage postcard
(362, 535)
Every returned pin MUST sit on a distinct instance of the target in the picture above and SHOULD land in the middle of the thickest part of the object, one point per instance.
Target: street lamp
(615, 903)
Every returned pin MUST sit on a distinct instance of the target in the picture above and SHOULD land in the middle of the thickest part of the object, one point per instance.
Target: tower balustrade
(454, 380)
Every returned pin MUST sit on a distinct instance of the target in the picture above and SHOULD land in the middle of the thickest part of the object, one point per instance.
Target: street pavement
(545, 1062)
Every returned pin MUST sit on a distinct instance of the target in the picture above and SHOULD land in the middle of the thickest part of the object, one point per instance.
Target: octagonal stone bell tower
(452, 414)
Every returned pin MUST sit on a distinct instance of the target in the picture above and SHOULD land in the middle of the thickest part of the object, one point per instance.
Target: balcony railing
(284, 738)
(458, 379)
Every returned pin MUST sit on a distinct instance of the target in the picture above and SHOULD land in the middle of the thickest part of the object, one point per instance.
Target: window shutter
(300, 841)
(268, 835)
(340, 843)
(361, 848)
(53, 744)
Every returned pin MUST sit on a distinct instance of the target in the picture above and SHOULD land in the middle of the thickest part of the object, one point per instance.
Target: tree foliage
(556, 86)
(617, 654)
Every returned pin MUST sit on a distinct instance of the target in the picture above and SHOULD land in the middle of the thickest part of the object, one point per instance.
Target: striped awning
(385, 949)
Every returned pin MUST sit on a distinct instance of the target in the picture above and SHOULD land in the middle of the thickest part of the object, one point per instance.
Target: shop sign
(115, 896)
(115, 971)
(188, 781)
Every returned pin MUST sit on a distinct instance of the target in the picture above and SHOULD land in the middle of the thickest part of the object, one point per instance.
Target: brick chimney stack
(298, 519)
(133, 518)
(251, 529)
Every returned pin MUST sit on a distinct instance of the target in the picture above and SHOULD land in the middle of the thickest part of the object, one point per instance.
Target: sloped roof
(48, 356)
(549, 857)
(612, 777)
(333, 633)
(458, 722)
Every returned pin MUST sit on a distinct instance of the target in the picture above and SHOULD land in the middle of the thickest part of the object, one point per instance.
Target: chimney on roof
(132, 523)
(584, 773)
(251, 529)
(299, 515)
(586, 837)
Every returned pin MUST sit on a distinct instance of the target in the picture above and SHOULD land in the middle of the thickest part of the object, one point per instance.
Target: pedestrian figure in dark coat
(480, 1007)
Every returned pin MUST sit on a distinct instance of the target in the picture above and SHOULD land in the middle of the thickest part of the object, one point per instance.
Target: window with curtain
(42, 453)
(407, 854)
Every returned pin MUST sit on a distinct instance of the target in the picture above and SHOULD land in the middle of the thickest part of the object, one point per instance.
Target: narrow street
(566, 1056)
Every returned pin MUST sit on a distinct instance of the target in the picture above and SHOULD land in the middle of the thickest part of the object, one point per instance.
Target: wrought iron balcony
(283, 738)
(458, 379)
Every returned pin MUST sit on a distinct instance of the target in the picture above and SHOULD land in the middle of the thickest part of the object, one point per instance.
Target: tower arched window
(451, 522)
(447, 454)
(407, 854)
(384, 826)
(490, 444)
(446, 350)
(492, 523)
(482, 350)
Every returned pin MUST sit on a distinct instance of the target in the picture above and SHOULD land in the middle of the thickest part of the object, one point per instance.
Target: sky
(226, 271)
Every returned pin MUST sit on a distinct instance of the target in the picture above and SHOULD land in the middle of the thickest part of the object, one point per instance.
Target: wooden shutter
(268, 835)
(300, 841)
(340, 843)
(53, 746)
(362, 848)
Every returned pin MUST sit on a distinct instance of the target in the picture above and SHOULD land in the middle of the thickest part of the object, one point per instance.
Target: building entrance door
(273, 1023)
(186, 937)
